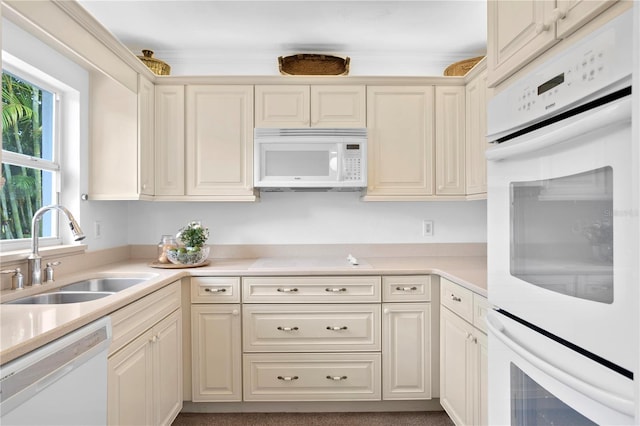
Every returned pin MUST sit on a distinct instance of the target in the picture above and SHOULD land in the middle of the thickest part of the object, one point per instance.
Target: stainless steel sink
(57, 298)
(112, 285)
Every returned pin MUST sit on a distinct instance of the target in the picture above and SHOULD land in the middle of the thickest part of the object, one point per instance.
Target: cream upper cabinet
(400, 146)
(450, 140)
(520, 30)
(146, 123)
(219, 142)
(113, 143)
(169, 137)
(310, 106)
(475, 134)
(517, 31)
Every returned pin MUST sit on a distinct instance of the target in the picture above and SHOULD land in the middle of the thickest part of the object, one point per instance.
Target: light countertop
(24, 328)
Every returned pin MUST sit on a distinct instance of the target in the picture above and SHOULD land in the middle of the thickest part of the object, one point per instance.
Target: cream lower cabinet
(463, 355)
(216, 339)
(311, 338)
(145, 362)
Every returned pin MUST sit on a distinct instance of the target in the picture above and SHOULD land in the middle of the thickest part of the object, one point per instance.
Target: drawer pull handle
(336, 328)
(335, 290)
(414, 288)
(288, 290)
(288, 328)
(288, 378)
(337, 378)
(215, 290)
(455, 298)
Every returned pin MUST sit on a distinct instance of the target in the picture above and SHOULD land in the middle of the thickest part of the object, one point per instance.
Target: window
(30, 168)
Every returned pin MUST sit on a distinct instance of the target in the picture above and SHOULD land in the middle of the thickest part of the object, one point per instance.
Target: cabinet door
(219, 140)
(480, 386)
(406, 351)
(130, 383)
(456, 365)
(146, 123)
(338, 106)
(517, 32)
(475, 135)
(113, 144)
(217, 353)
(575, 13)
(450, 125)
(169, 137)
(400, 152)
(167, 366)
(282, 106)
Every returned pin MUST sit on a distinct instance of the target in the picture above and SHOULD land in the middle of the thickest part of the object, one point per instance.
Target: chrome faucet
(34, 264)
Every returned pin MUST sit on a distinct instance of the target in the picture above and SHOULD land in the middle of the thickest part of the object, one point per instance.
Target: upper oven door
(559, 212)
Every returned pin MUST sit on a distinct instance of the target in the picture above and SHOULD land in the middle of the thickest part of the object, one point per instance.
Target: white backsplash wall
(312, 218)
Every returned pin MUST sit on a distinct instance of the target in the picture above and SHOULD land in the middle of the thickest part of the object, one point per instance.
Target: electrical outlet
(427, 228)
(97, 229)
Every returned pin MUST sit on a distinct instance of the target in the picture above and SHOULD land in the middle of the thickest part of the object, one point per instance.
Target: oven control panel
(583, 72)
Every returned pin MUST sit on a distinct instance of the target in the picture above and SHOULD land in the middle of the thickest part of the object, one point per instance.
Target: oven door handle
(614, 402)
(608, 115)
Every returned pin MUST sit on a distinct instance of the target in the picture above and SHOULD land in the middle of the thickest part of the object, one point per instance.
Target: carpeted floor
(430, 418)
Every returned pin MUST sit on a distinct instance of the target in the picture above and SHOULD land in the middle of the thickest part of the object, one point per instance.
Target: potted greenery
(192, 250)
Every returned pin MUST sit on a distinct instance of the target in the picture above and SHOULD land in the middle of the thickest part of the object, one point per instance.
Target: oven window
(531, 404)
(562, 234)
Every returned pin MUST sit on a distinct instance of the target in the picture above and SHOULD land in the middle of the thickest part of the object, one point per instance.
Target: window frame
(43, 81)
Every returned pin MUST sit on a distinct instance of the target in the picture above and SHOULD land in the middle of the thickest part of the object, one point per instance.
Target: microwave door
(284, 164)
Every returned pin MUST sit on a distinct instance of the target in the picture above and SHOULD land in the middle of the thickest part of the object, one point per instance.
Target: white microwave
(310, 159)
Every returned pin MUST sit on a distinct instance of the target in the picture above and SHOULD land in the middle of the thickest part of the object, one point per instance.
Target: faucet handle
(48, 271)
(17, 280)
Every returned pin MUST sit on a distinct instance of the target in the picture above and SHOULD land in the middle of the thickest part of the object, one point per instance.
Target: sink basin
(57, 298)
(112, 285)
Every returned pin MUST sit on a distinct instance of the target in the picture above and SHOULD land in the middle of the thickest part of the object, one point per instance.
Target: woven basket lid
(313, 64)
(460, 68)
(156, 65)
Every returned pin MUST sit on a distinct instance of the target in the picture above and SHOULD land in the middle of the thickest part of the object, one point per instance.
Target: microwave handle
(614, 402)
(335, 160)
(609, 115)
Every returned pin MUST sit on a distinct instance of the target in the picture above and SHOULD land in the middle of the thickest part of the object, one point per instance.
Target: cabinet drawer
(480, 308)
(215, 290)
(408, 288)
(311, 328)
(134, 319)
(311, 289)
(457, 298)
(312, 377)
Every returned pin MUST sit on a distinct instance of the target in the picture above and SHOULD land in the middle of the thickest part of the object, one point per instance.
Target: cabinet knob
(288, 378)
(540, 28)
(455, 298)
(288, 328)
(386, 310)
(558, 14)
(235, 312)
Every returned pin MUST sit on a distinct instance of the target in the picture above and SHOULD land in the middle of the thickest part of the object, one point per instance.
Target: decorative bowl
(188, 255)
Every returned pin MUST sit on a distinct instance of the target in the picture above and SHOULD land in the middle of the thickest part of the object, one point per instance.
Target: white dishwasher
(61, 383)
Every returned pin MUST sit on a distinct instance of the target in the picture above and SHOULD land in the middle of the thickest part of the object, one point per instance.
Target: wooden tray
(156, 264)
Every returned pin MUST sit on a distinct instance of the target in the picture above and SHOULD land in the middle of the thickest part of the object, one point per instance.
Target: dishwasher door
(61, 383)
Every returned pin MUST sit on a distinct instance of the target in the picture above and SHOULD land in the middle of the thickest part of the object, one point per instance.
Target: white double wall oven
(562, 340)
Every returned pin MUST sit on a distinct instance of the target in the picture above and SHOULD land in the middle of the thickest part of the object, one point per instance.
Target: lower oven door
(559, 230)
(534, 380)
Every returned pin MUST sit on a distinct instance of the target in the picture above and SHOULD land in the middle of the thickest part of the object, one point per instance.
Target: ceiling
(246, 37)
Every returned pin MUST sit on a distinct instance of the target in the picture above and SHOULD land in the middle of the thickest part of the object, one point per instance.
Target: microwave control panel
(352, 162)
